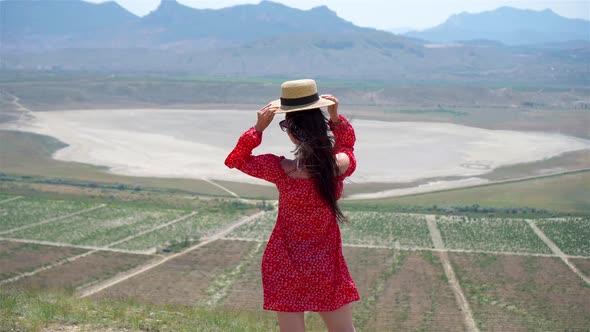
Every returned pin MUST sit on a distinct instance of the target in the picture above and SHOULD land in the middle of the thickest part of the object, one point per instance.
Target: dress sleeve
(344, 139)
(266, 166)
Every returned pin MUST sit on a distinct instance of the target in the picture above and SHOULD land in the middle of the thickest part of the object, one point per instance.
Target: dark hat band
(300, 101)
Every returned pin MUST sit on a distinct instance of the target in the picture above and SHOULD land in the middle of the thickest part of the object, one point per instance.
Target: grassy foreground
(38, 310)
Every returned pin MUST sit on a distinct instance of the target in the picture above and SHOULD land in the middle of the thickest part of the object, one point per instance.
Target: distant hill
(38, 25)
(243, 22)
(262, 40)
(76, 23)
(508, 25)
(60, 17)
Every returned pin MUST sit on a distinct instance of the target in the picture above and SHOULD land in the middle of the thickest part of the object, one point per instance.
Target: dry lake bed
(194, 144)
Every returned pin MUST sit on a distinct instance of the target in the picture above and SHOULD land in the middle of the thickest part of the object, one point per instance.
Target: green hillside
(566, 193)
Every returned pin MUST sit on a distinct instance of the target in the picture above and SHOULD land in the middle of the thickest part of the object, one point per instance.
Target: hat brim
(288, 109)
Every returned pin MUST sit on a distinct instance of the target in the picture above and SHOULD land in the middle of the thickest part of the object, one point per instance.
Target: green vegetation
(490, 234)
(369, 228)
(381, 228)
(257, 229)
(571, 235)
(116, 220)
(26, 211)
(474, 210)
(568, 196)
(34, 311)
(183, 233)
(4, 197)
(375, 274)
(505, 291)
(100, 227)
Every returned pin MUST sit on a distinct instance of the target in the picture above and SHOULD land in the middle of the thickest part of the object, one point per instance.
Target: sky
(388, 14)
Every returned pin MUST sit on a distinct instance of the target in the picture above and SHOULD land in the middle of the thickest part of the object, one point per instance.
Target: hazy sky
(386, 14)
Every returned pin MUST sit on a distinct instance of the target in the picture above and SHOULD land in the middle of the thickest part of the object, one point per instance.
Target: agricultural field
(83, 272)
(417, 297)
(583, 265)
(490, 234)
(27, 210)
(370, 270)
(186, 231)
(100, 227)
(4, 197)
(245, 293)
(390, 255)
(384, 229)
(17, 258)
(522, 293)
(366, 265)
(571, 235)
(258, 229)
(568, 194)
(185, 280)
(366, 228)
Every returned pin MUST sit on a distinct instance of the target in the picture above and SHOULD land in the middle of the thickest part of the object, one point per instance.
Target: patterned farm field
(522, 293)
(191, 229)
(5, 196)
(582, 264)
(100, 227)
(257, 229)
(386, 228)
(367, 228)
(571, 235)
(27, 211)
(83, 271)
(365, 266)
(16, 258)
(246, 292)
(369, 268)
(417, 297)
(187, 280)
(490, 234)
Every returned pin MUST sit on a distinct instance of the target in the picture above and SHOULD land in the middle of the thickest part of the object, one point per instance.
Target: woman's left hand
(332, 109)
(265, 116)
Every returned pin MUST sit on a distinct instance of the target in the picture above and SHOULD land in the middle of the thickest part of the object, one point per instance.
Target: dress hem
(308, 308)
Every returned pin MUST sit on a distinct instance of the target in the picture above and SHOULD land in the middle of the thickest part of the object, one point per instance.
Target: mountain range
(508, 25)
(270, 40)
(76, 23)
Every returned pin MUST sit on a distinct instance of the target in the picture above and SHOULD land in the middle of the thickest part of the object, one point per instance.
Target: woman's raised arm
(344, 137)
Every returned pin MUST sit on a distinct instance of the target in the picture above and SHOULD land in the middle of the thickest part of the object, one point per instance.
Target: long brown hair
(314, 152)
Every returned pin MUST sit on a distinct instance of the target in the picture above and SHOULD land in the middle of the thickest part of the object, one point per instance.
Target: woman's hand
(265, 116)
(332, 109)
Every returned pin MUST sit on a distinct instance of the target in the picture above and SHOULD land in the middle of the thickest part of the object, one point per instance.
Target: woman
(302, 267)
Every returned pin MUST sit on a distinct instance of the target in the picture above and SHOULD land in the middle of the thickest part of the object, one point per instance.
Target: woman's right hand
(265, 116)
(332, 109)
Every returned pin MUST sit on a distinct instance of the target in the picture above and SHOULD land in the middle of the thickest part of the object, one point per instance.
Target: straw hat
(299, 95)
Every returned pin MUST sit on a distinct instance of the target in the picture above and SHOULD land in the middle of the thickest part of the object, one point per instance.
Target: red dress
(302, 267)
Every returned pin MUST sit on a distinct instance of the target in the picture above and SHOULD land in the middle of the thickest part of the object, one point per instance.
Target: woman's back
(303, 268)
